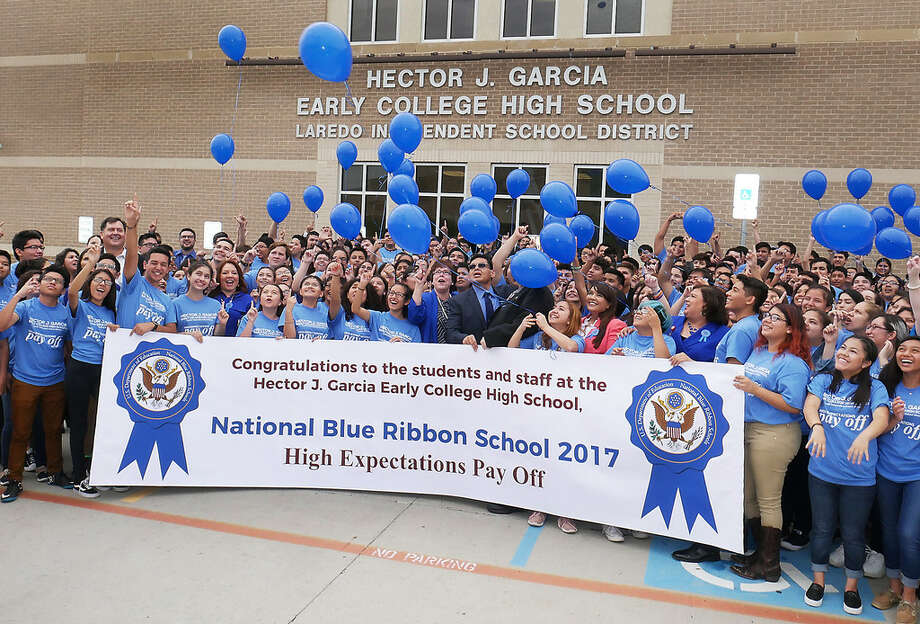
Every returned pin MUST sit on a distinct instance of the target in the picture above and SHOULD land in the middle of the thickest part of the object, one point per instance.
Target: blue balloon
(517, 182)
(548, 218)
(278, 206)
(859, 181)
(477, 227)
(484, 186)
(558, 242)
(699, 223)
(345, 220)
(814, 183)
(222, 148)
(817, 228)
(848, 227)
(865, 251)
(883, 216)
(232, 41)
(346, 153)
(532, 268)
(496, 225)
(406, 168)
(403, 190)
(558, 198)
(893, 243)
(406, 132)
(622, 218)
(326, 52)
(582, 227)
(627, 176)
(313, 198)
(390, 156)
(902, 198)
(475, 203)
(912, 220)
(410, 228)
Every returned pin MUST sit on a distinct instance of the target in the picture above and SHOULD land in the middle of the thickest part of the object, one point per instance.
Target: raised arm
(664, 274)
(8, 316)
(565, 343)
(913, 288)
(241, 223)
(132, 216)
(498, 259)
(73, 293)
(663, 231)
(356, 307)
(334, 296)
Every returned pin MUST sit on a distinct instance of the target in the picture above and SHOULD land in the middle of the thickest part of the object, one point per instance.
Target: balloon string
(348, 98)
(236, 104)
(220, 185)
(728, 224)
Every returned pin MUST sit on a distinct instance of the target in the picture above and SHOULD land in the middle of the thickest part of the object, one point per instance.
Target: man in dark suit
(469, 312)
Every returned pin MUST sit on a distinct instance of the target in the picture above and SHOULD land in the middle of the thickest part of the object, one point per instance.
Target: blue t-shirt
(899, 449)
(176, 287)
(739, 341)
(843, 421)
(191, 315)
(700, 345)
(785, 374)
(140, 302)
(387, 326)
(312, 323)
(90, 322)
(536, 342)
(355, 328)
(264, 327)
(641, 346)
(40, 335)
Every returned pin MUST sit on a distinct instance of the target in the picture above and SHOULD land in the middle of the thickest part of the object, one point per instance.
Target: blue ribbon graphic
(168, 440)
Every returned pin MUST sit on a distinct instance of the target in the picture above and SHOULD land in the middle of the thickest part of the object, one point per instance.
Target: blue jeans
(899, 504)
(848, 504)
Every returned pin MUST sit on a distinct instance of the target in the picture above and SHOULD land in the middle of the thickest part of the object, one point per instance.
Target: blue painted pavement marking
(715, 579)
(526, 546)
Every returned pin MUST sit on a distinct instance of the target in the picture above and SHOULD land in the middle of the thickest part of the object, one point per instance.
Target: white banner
(616, 440)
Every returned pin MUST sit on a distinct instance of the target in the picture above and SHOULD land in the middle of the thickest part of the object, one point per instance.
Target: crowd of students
(829, 348)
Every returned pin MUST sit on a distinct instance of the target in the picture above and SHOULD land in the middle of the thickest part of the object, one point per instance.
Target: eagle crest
(675, 423)
(159, 383)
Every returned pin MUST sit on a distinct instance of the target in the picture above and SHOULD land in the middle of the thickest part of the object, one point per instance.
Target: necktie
(489, 307)
(442, 323)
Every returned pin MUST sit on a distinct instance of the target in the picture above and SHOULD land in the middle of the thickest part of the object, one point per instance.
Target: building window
(449, 19)
(364, 185)
(373, 20)
(614, 17)
(593, 193)
(527, 209)
(440, 189)
(529, 18)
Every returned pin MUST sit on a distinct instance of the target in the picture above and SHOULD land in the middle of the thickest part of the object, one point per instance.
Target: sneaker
(836, 558)
(907, 612)
(852, 603)
(886, 600)
(566, 526)
(42, 474)
(796, 540)
(121, 488)
(814, 597)
(536, 519)
(613, 534)
(639, 534)
(61, 480)
(874, 566)
(103, 488)
(30, 464)
(5, 477)
(85, 490)
(12, 492)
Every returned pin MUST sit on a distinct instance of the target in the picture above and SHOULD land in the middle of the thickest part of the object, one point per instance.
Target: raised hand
(222, 315)
(132, 212)
(152, 228)
(252, 313)
(30, 288)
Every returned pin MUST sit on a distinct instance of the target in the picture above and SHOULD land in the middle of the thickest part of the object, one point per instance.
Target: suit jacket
(508, 318)
(464, 314)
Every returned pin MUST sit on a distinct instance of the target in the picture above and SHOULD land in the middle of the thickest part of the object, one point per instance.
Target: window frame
(365, 192)
(439, 194)
(604, 200)
(613, 20)
(372, 41)
(555, 34)
(450, 4)
(515, 202)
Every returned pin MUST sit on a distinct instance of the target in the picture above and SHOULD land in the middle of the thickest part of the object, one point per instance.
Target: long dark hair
(607, 292)
(241, 283)
(862, 379)
(108, 301)
(796, 342)
(891, 374)
(714, 305)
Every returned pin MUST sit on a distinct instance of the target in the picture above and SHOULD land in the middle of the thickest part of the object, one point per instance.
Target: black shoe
(496, 508)
(796, 540)
(814, 596)
(697, 553)
(4, 478)
(12, 492)
(852, 603)
(43, 476)
(61, 480)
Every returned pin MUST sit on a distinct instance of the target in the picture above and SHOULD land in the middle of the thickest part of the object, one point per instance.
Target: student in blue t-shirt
(742, 301)
(558, 330)
(898, 476)
(846, 411)
(311, 318)
(91, 299)
(392, 325)
(194, 313)
(266, 321)
(42, 330)
(651, 322)
(348, 325)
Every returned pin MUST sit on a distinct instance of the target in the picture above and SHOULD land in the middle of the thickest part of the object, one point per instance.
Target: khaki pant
(768, 449)
(25, 399)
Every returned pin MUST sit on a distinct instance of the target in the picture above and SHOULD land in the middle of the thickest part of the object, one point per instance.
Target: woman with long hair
(348, 325)
(231, 294)
(193, 313)
(774, 382)
(266, 321)
(601, 327)
(846, 411)
(312, 316)
(392, 325)
(898, 476)
(884, 331)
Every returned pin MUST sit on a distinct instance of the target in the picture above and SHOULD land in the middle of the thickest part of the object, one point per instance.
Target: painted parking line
(642, 592)
(522, 554)
(137, 495)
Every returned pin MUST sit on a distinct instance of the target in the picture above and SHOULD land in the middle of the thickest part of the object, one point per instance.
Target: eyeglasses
(479, 265)
(102, 280)
(874, 326)
(36, 247)
(50, 279)
(776, 318)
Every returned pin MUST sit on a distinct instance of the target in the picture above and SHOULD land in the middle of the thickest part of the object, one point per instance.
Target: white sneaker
(639, 534)
(836, 558)
(613, 534)
(874, 567)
